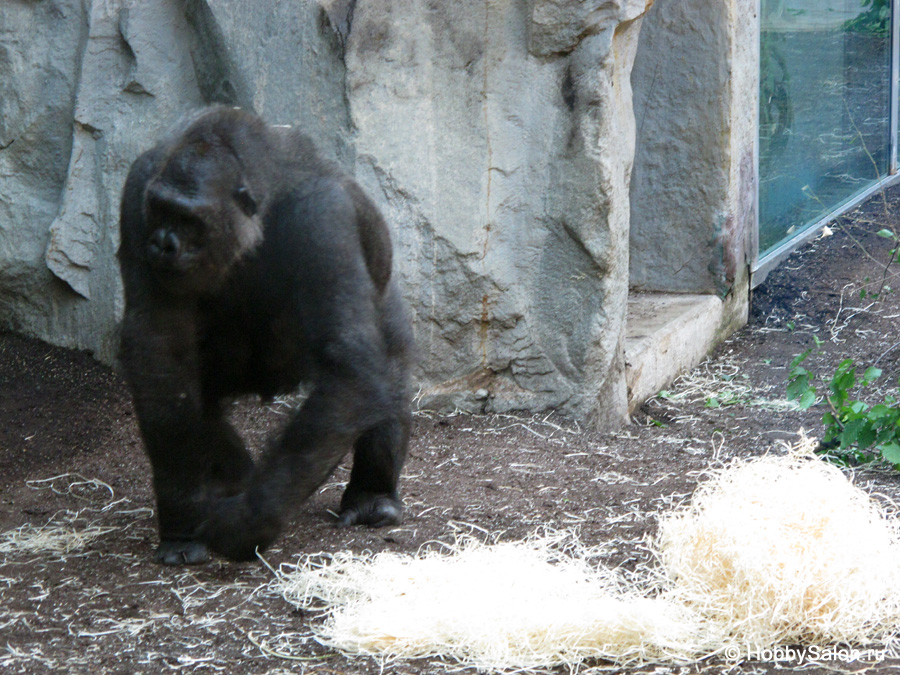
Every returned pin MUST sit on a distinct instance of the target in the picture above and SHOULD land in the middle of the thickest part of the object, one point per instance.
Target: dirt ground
(70, 457)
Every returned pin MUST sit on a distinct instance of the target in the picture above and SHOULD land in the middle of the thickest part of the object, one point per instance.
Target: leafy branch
(855, 431)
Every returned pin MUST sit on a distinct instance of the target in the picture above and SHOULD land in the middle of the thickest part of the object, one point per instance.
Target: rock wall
(694, 184)
(496, 135)
(84, 88)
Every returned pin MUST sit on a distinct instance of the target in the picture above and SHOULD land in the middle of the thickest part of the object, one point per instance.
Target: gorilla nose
(164, 244)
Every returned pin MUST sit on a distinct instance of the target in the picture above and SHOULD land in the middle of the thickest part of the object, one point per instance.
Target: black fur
(252, 265)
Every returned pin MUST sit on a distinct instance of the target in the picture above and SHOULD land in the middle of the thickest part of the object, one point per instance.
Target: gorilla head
(201, 214)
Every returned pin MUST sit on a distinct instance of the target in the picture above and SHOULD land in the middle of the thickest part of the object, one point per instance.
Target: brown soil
(67, 423)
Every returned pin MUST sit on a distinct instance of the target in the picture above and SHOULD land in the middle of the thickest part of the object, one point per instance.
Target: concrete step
(666, 334)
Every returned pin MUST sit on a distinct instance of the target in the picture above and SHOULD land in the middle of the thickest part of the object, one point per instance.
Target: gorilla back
(251, 265)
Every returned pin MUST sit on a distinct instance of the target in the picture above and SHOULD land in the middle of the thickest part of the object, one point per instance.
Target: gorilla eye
(245, 200)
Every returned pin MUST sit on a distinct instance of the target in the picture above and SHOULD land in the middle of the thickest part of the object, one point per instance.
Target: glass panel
(824, 113)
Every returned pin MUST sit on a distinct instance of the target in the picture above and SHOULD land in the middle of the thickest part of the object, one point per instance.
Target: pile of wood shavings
(783, 550)
(770, 551)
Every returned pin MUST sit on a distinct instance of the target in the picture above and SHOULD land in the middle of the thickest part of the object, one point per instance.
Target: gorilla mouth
(169, 250)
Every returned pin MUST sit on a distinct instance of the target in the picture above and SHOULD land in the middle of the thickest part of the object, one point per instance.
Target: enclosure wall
(694, 182)
(496, 136)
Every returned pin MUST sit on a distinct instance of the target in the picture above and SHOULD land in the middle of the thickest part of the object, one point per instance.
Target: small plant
(800, 387)
(724, 399)
(854, 431)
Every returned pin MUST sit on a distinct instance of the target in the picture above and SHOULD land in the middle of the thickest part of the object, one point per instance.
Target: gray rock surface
(497, 137)
(40, 50)
(122, 72)
(695, 81)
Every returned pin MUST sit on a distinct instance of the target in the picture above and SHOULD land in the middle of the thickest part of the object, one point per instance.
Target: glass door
(824, 113)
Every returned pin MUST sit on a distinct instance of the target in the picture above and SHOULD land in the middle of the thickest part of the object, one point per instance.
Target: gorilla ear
(245, 200)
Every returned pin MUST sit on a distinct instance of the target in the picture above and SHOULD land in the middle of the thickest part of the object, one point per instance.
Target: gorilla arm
(338, 409)
(190, 446)
(186, 440)
(352, 371)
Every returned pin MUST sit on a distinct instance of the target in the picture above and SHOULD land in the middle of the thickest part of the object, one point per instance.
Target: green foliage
(800, 387)
(854, 430)
(876, 19)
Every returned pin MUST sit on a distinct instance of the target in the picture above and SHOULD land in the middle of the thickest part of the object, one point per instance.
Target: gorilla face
(201, 218)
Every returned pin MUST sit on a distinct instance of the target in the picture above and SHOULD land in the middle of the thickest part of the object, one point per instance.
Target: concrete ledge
(666, 335)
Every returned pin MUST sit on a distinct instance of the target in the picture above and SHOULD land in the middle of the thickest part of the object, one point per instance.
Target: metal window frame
(760, 268)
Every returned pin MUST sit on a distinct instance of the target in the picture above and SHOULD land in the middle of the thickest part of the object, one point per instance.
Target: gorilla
(252, 265)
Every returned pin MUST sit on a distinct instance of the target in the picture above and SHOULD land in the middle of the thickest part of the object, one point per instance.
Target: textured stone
(126, 73)
(497, 137)
(693, 189)
(40, 46)
(668, 334)
(498, 141)
(96, 83)
(695, 80)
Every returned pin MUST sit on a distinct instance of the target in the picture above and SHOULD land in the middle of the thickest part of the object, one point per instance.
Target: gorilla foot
(371, 510)
(181, 552)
